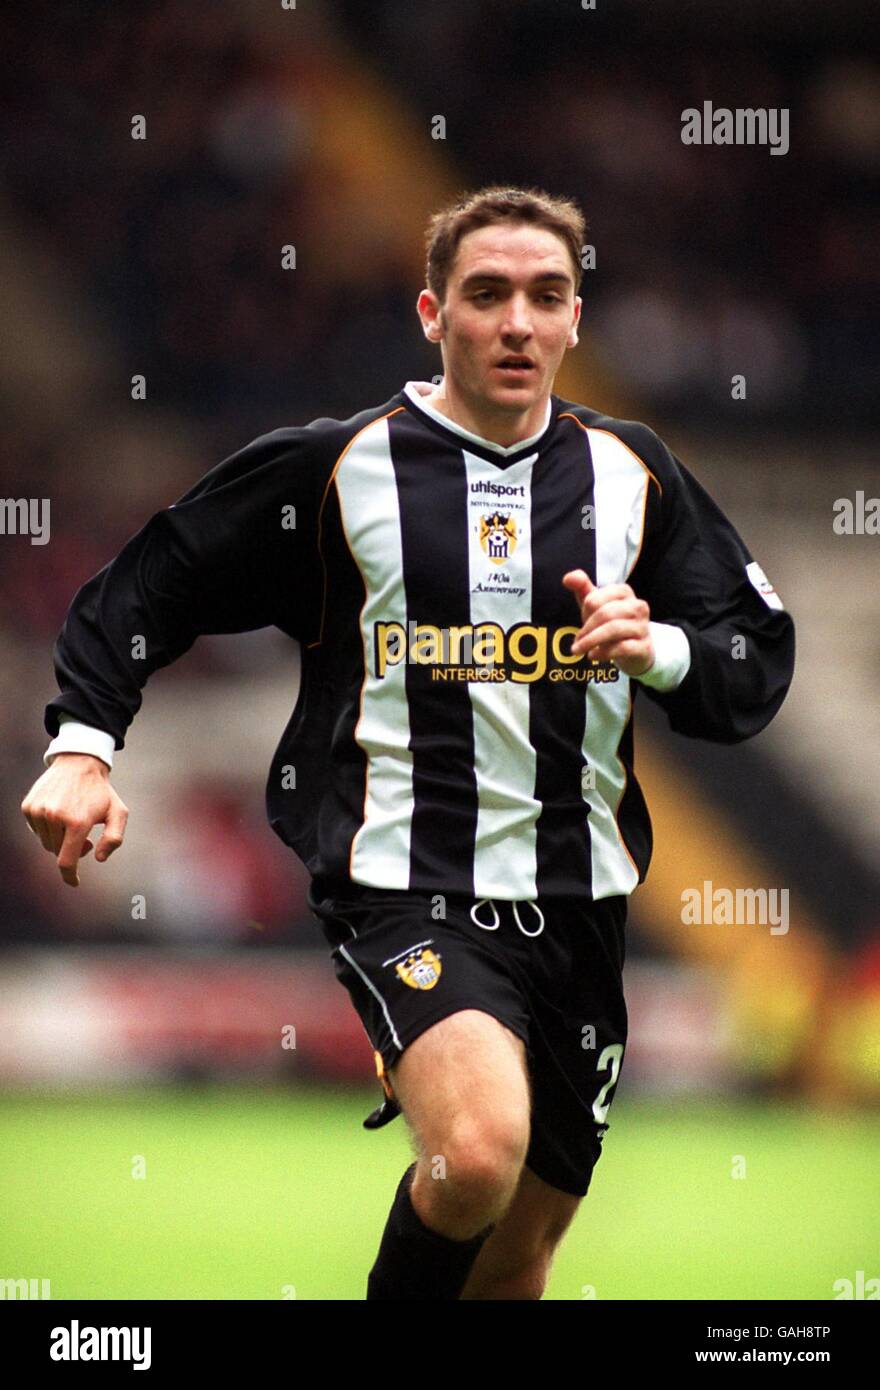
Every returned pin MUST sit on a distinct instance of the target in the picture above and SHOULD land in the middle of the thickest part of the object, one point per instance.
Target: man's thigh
(445, 1016)
(463, 1081)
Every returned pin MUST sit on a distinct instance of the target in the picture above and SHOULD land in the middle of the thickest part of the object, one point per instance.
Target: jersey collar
(416, 393)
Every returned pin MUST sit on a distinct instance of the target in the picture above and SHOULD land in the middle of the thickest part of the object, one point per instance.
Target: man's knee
(471, 1177)
(464, 1089)
(485, 1153)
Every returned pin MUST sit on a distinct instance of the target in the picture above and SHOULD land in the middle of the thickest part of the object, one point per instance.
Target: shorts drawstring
(497, 923)
(535, 908)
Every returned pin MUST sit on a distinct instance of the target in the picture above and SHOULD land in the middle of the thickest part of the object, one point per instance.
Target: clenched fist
(615, 624)
(64, 805)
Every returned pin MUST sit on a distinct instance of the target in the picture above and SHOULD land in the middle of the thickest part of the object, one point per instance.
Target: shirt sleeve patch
(763, 585)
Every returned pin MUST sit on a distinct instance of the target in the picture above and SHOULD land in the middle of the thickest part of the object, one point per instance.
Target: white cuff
(80, 738)
(672, 657)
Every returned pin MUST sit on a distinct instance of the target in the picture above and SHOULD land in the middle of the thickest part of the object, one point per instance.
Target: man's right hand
(63, 805)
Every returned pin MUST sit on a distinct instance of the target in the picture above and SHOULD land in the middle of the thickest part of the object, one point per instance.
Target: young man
(482, 576)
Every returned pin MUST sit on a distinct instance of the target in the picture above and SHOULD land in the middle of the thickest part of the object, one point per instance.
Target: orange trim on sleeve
(567, 415)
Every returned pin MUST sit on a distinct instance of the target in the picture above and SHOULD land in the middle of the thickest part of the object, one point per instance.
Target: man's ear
(572, 339)
(433, 325)
(438, 327)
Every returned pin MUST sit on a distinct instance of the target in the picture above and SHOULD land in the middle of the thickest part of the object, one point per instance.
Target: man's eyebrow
(487, 277)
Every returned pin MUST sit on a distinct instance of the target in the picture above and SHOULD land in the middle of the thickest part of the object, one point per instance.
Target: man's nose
(518, 322)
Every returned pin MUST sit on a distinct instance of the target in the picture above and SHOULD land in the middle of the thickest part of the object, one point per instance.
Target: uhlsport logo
(523, 653)
(498, 537)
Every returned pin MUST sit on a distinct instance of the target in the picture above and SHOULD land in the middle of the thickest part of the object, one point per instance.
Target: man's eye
(480, 293)
(554, 298)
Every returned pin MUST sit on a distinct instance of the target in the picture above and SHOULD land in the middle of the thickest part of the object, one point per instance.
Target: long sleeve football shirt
(445, 738)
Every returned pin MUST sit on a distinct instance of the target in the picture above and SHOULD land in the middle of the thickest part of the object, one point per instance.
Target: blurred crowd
(710, 261)
(176, 241)
(705, 267)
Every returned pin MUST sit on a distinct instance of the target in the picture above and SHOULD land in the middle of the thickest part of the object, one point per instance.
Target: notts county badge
(498, 537)
(420, 970)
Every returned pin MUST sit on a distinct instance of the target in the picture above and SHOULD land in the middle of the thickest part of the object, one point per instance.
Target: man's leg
(515, 1261)
(463, 1088)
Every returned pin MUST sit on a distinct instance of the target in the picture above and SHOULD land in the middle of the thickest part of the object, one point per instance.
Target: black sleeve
(237, 552)
(696, 572)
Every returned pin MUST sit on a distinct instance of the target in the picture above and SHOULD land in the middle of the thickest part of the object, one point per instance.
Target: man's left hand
(615, 624)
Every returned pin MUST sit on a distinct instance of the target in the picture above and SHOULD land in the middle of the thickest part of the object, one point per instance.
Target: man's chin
(513, 395)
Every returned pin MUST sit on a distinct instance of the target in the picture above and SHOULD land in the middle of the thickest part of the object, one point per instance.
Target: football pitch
(248, 1193)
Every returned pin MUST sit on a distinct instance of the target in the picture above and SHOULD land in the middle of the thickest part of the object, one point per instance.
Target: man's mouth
(514, 365)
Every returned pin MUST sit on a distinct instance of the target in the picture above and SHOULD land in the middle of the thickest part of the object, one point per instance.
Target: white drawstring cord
(497, 923)
(535, 908)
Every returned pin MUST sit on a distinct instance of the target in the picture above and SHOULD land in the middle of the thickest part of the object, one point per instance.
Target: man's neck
(502, 428)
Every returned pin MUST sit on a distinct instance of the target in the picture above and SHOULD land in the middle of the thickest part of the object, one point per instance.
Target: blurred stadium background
(161, 1036)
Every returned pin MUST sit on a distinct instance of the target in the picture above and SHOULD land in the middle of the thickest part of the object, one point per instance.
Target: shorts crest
(421, 969)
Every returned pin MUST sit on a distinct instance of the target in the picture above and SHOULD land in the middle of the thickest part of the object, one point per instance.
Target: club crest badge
(421, 969)
(498, 537)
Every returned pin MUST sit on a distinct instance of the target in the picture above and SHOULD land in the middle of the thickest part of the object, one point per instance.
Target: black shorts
(560, 991)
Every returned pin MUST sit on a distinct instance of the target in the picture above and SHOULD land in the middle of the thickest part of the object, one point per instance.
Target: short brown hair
(500, 203)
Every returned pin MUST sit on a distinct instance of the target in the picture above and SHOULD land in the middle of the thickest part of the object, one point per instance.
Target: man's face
(510, 295)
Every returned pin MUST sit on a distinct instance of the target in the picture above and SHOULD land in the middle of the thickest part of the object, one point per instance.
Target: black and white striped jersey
(444, 738)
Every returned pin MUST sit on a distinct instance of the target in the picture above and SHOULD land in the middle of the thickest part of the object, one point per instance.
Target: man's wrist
(672, 657)
(73, 737)
(87, 759)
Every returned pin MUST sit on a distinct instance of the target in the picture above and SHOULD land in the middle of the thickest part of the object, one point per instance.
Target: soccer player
(482, 578)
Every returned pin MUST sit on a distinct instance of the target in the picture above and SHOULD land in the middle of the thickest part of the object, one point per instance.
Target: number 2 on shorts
(609, 1056)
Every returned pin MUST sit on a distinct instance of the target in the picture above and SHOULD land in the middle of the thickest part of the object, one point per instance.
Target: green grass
(249, 1191)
